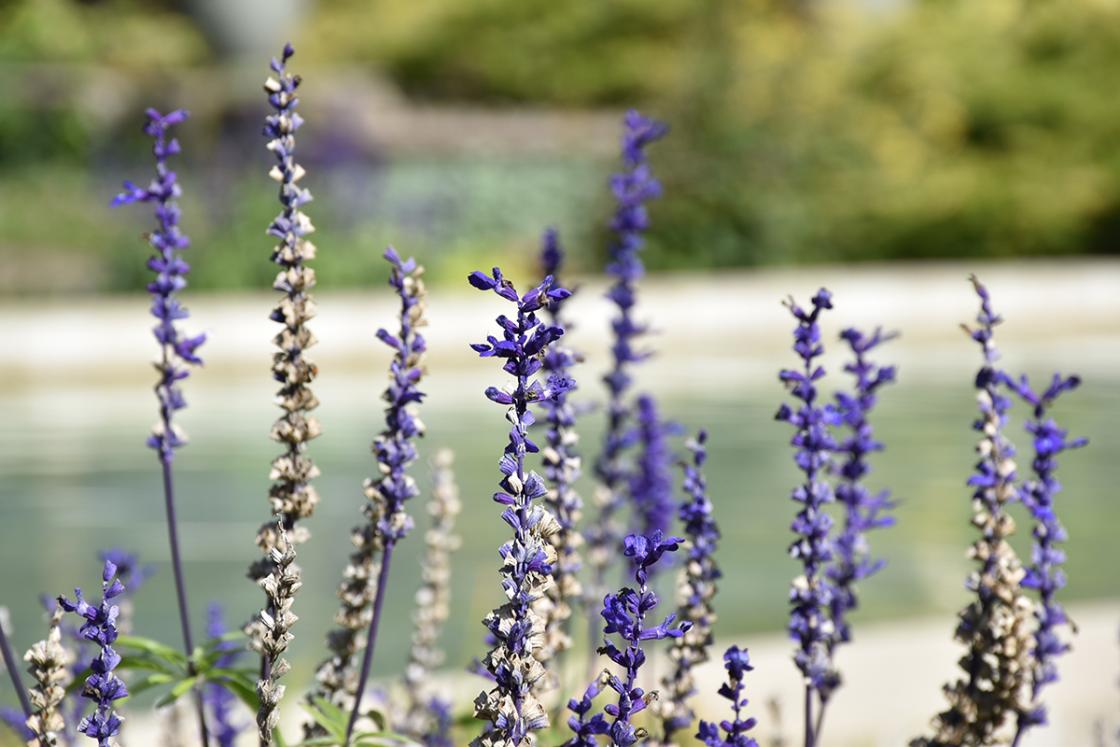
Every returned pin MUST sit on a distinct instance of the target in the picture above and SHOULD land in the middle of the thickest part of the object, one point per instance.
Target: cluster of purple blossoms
(811, 594)
(511, 706)
(102, 687)
(697, 591)
(219, 701)
(562, 462)
(863, 510)
(177, 350)
(1045, 574)
(632, 188)
(625, 615)
(737, 662)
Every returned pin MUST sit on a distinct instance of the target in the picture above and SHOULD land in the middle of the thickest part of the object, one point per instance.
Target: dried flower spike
(102, 687)
(632, 189)
(562, 467)
(49, 671)
(511, 707)
(994, 626)
(737, 662)
(1045, 574)
(292, 496)
(811, 594)
(433, 604)
(275, 625)
(696, 592)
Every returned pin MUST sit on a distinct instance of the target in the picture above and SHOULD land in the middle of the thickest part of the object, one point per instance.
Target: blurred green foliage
(803, 131)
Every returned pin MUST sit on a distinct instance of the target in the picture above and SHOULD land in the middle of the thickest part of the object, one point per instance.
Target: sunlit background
(884, 148)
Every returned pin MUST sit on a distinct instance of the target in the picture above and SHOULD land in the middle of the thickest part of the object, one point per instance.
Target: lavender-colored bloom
(511, 706)
(562, 463)
(178, 351)
(863, 510)
(102, 687)
(219, 701)
(697, 585)
(737, 663)
(625, 615)
(632, 188)
(585, 724)
(129, 570)
(994, 627)
(1045, 574)
(651, 484)
(811, 594)
(439, 731)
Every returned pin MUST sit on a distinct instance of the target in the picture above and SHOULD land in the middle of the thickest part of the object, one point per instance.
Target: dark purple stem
(810, 734)
(371, 636)
(13, 672)
(180, 585)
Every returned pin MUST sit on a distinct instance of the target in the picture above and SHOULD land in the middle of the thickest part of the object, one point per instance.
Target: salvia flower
(433, 603)
(49, 668)
(511, 707)
(994, 626)
(633, 188)
(438, 733)
(292, 496)
(1045, 574)
(696, 594)
(133, 575)
(863, 510)
(625, 614)
(386, 519)
(99, 626)
(562, 464)
(178, 350)
(810, 624)
(737, 662)
(220, 702)
(587, 724)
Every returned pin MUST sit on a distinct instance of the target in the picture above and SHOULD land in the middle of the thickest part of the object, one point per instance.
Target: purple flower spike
(1045, 575)
(633, 188)
(99, 626)
(811, 594)
(178, 351)
(625, 615)
(511, 706)
(737, 663)
(697, 590)
(651, 484)
(863, 510)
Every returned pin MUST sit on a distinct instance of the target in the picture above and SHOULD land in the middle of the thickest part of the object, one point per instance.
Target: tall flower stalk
(102, 686)
(651, 482)
(625, 615)
(387, 521)
(13, 668)
(562, 466)
(696, 593)
(633, 187)
(275, 630)
(737, 662)
(178, 351)
(433, 603)
(511, 707)
(811, 593)
(863, 510)
(994, 626)
(1045, 574)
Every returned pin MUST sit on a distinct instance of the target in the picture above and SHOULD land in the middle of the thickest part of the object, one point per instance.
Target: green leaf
(155, 648)
(180, 689)
(152, 680)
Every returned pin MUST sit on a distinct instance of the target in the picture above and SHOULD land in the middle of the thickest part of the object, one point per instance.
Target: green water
(77, 478)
